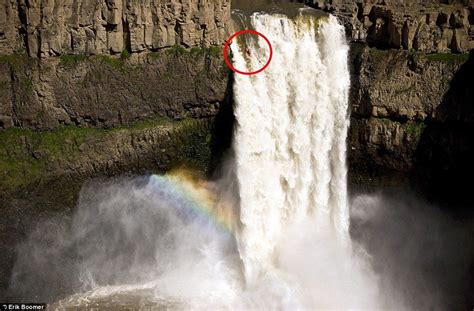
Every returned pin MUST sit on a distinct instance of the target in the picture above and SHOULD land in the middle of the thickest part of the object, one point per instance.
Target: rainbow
(193, 198)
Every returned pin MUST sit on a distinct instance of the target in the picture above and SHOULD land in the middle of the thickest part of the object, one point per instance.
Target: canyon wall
(412, 115)
(406, 59)
(70, 66)
(425, 25)
(112, 63)
(80, 117)
(43, 28)
(102, 91)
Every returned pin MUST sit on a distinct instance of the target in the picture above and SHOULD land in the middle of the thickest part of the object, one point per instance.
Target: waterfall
(290, 138)
(271, 234)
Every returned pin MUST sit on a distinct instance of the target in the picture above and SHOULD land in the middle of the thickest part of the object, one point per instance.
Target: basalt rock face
(78, 118)
(425, 25)
(45, 28)
(57, 70)
(412, 114)
(102, 91)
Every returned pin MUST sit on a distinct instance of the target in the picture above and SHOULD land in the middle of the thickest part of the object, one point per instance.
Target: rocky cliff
(412, 114)
(424, 25)
(52, 81)
(45, 28)
(403, 69)
(102, 91)
(80, 117)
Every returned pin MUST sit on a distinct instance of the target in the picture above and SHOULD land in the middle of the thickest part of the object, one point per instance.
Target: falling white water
(290, 139)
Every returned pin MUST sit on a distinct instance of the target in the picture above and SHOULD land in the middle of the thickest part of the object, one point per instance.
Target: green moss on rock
(176, 50)
(71, 59)
(125, 54)
(115, 63)
(414, 128)
(378, 53)
(18, 61)
(448, 57)
(28, 157)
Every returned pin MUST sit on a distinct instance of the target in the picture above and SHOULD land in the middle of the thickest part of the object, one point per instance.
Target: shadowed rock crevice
(223, 129)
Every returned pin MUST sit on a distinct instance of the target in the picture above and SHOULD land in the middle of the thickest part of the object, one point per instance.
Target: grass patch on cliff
(414, 128)
(377, 53)
(15, 58)
(25, 154)
(178, 50)
(144, 124)
(72, 59)
(154, 54)
(448, 57)
(21, 73)
(115, 63)
(28, 157)
(214, 50)
(16, 165)
(11, 58)
(17, 61)
(125, 54)
(197, 51)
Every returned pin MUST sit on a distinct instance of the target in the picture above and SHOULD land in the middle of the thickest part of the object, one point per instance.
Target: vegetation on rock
(448, 57)
(28, 156)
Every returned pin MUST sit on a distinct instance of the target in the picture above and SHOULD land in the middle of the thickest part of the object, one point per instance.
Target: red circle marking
(251, 31)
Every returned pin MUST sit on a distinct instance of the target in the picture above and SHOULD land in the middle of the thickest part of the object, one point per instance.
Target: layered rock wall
(101, 91)
(45, 28)
(425, 25)
(413, 114)
(57, 76)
